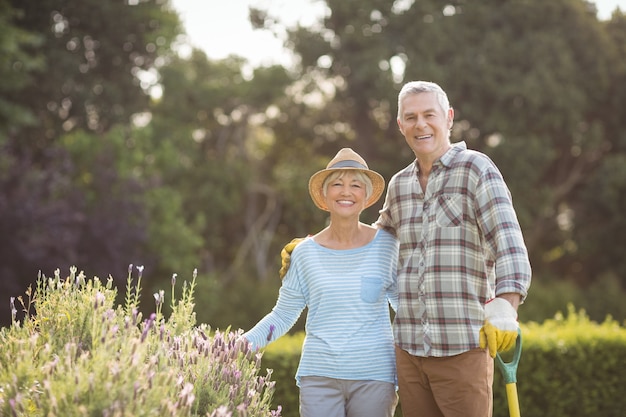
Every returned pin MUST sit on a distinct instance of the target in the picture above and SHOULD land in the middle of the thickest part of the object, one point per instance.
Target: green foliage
(13, 42)
(90, 74)
(570, 366)
(80, 355)
(212, 173)
(210, 151)
(283, 357)
(69, 66)
(528, 87)
(600, 299)
(602, 204)
(150, 215)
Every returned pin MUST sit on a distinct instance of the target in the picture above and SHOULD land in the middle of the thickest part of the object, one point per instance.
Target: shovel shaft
(511, 395)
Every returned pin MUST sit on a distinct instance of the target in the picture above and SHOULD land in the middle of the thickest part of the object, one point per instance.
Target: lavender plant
(75, 354)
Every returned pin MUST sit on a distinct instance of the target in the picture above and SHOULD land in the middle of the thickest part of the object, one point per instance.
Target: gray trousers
(330, 397)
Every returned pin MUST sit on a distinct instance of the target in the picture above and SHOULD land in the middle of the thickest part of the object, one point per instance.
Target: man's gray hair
(417, 87)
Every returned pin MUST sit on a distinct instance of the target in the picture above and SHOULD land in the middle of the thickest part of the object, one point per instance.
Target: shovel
(509, 373)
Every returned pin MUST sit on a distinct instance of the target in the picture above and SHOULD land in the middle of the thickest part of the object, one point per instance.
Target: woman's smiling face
(346, 194)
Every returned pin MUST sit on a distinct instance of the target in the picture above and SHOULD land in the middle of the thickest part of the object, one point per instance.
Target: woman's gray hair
(417, 87)
(358, 175)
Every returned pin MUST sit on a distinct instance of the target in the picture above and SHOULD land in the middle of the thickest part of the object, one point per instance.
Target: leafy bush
(77, 355)
(283, 357)
(570, 366)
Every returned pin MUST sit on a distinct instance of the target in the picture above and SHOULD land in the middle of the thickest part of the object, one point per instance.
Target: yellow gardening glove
(285, 256)
(499, 332)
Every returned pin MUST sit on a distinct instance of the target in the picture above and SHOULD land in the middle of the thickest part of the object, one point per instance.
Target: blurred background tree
(73, 73)
(118, 150)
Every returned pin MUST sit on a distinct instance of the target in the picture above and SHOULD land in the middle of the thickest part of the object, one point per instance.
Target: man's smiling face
(425, 125)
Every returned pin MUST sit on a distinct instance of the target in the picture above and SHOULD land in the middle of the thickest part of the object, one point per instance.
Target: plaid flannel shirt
(460, 245)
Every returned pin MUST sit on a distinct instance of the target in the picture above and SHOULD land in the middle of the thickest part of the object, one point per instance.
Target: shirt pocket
(449, 210)
(371, 289)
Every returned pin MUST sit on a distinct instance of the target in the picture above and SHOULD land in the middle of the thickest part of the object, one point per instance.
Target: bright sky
(221, 28)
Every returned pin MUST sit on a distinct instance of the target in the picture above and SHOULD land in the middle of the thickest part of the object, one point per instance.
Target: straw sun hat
(346, 159)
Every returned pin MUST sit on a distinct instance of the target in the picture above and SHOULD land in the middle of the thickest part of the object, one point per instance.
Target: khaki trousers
(455, 386)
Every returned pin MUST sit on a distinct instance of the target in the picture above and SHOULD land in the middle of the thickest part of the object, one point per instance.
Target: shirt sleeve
(289, 306)
(392, 290)
(385, 221)
(504, 242)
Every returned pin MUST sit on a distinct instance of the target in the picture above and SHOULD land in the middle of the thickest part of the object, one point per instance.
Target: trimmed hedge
(570, 367)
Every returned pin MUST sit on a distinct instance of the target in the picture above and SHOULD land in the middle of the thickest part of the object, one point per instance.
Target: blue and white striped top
(347, 293)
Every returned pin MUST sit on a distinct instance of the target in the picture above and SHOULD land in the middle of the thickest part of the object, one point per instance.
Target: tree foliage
(118, 149)
(73, 66)
(529, 86)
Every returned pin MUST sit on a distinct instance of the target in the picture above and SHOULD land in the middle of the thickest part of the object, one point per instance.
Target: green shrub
(283, 356)
(77, 355)
(570, 367)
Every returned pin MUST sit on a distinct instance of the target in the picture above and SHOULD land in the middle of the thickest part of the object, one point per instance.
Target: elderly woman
(345, 276)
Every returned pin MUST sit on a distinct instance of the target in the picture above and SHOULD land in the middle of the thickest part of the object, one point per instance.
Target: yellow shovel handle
(509, 372)
(511, 395)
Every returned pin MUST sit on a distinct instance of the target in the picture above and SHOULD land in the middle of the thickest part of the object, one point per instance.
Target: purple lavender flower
(159, 297)
(147, 326)
(269, 335)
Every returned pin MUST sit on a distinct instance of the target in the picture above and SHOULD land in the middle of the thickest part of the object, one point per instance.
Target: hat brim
(316, 184)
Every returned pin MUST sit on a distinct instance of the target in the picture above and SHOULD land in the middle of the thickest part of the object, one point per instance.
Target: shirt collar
(447, 158)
